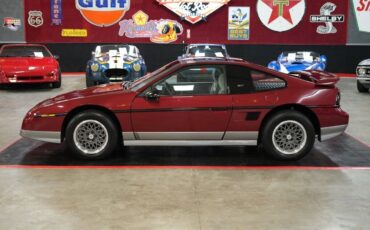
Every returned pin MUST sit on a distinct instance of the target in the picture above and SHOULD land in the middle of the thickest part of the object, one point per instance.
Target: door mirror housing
(56, 57)
(152, 95)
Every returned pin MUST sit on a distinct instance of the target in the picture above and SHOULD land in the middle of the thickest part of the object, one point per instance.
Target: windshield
(25, 51)
(114, 50)
(207, 51)
(149, 77)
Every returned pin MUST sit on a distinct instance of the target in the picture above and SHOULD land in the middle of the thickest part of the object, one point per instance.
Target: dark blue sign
(56, 12)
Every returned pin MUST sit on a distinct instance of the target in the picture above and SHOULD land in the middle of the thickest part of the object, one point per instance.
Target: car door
(190, 104)
(254, 93)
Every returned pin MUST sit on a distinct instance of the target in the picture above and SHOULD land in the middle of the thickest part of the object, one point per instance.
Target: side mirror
(56, 57)
(152, 95)
(92, 54)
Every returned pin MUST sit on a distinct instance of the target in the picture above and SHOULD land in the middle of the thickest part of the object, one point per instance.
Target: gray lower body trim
(189, 138)
(241, 136)
(331, 132)
(53, 137)
(179, 135)
(190, 143)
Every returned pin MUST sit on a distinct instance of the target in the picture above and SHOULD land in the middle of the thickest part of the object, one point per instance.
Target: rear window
(25, 51)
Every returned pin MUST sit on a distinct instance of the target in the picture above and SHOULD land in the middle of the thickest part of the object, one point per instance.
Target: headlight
(137, 67)
(95, 67)
(361, 71)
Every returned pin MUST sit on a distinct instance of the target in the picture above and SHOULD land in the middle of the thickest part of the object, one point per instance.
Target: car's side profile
(28, 64)
(194, 102)
(363, 76)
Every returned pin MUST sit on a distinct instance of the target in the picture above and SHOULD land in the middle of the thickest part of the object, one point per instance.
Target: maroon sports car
(196, 102)
(27, 63)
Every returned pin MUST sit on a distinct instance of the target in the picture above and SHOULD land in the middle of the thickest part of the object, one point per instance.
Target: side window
(263, 81)
(200, 80)
(239, 79)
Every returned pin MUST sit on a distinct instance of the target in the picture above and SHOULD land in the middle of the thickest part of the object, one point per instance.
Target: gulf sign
(103, 12)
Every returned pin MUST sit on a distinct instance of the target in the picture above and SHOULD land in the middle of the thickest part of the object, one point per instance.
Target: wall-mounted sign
(362, 14)
(56, 12)
(238, 23)
(158, 31)
(12, 24)
(103, 12)
(193, 11)
(35, 18)
(281, 15)
(326, 17)
(76, 33)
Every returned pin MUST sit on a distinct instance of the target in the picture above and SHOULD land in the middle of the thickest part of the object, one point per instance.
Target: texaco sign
(362, 13)
(193, 11)
(281, 15)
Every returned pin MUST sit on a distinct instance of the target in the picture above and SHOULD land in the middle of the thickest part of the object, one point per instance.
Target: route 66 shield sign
(35, 18)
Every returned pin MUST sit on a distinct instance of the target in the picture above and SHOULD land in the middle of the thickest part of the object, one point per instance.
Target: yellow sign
(74, 33)
(140, 18)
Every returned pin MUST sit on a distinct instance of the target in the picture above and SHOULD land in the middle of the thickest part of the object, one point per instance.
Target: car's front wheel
(361, 88)
(58, 83)
(288, 135)
(91, 134)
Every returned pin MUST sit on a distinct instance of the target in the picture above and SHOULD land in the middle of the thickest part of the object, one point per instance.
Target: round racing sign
(281, 15)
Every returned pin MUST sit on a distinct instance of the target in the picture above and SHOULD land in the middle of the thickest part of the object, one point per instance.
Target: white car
(363, 76)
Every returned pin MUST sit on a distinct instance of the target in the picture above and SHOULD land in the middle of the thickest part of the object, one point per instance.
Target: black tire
(361, 88)
(58, 84)
(89, 82)
(277, 123)
(110, 142)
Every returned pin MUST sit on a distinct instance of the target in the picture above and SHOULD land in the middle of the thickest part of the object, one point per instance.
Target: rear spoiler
(320, 78)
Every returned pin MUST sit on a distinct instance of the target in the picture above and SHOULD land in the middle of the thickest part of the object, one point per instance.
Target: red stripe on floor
(73, 74)
(346, 75)
(186, 167)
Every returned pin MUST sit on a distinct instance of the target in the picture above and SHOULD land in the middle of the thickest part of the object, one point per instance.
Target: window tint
(263, 81)
(239, 79)
(201, 80)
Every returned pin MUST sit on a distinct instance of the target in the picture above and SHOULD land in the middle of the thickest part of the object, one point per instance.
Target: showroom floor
(175, 198)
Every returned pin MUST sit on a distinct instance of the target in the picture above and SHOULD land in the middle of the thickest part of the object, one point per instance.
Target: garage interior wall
(262, 46)
(12, 11)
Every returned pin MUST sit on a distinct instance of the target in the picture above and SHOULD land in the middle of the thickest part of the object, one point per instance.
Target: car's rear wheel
(361, 88)
(288, 135)
(91, 134)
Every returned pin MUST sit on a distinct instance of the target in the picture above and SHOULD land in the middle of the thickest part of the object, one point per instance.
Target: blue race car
(114, 63)
(289, 62)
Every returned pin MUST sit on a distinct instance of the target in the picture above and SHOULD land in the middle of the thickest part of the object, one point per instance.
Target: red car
(196, 102)
(25, 63)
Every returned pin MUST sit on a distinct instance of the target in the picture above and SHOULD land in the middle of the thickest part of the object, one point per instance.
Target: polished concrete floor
(180, 198)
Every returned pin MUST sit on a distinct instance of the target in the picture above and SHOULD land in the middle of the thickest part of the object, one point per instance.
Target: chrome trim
(241, 135)
(331, 132)
(190, 143)
(127, 136)
(179, 135)
(53, 137)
